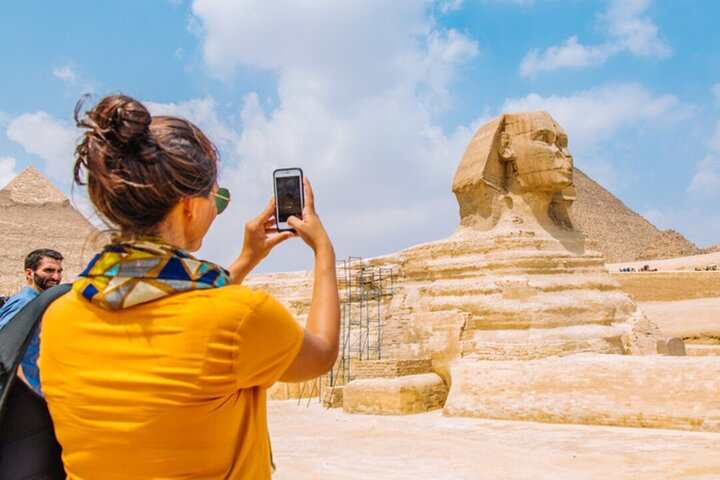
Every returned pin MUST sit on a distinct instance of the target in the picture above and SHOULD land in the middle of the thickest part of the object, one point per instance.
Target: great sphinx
(515, 281)
(513, 316)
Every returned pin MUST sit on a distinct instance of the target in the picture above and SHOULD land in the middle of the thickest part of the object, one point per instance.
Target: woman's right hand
(310, 228)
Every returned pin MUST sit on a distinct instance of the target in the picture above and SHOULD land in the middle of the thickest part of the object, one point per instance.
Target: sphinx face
(541, 159)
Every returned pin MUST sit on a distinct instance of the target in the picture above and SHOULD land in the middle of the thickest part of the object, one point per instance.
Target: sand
(311, 442)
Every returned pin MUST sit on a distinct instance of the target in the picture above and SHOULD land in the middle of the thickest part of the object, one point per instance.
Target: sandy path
(311, 442)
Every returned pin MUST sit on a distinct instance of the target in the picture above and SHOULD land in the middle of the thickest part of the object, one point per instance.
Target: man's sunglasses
(222, 198)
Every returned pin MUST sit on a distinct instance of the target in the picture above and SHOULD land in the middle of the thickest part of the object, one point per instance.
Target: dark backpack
(28, 447)
(3, 300)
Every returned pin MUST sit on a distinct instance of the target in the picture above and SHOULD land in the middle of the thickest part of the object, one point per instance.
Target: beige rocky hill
(618, 232)
(35, 214)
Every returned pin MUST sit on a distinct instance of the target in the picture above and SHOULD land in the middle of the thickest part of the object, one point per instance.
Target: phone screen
(288, 195)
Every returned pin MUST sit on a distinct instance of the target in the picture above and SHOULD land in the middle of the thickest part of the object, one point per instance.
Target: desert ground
(310, 441)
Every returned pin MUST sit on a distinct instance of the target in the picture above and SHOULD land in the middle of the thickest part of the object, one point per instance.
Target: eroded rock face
(515, 281)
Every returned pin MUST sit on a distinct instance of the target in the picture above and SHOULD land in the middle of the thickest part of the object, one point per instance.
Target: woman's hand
(258, 242)
(309, 228)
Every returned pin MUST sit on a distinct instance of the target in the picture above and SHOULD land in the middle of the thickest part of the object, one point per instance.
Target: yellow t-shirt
(169, 389)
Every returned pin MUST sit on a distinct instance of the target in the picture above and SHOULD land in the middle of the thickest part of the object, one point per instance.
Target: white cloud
(569, 54)
(595, 115)
(695, 222)
(49, 138)
(66, 74)
(7, 170)
(634, 33)
(338, 52)
(706, 181)
(450, 5)
(357, 85)
(202, 112)
(626, 30)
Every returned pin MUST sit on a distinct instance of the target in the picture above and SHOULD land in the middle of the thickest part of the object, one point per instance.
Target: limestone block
(392, 368)
(696, 350)
(333, 397)
(671, 346)
(680, 393)
(539, 343)
(395, 396)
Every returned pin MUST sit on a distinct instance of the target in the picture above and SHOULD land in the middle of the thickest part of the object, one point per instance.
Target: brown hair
(138, 166)
(33, 259)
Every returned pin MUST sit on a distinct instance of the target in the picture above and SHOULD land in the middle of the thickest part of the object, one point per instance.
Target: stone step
(540, 343)
(699, 350)
(655, 391)
(395, 396)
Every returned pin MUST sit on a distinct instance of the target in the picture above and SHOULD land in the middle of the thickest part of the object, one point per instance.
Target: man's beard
(43, 283)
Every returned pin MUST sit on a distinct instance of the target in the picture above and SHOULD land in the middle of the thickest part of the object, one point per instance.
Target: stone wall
(680, 393)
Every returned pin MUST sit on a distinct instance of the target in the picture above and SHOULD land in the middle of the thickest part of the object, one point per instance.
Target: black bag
(28, 447)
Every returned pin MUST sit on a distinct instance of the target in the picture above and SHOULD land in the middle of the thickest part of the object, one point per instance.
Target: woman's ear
(506, 151)
(190, 206)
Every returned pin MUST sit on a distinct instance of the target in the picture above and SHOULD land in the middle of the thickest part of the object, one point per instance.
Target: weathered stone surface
(35, 214)
(515, 281)
(702, 350)
(333, 397)
(392, 368)
(632, 391)
(676, 347)
(395, 396)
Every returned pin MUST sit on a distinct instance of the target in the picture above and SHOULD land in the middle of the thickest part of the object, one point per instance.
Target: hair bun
(121, 119)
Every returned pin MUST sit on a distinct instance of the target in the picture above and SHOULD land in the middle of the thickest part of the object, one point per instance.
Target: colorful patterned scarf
(131, 273)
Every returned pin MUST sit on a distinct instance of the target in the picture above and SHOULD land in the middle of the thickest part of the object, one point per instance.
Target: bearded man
(43, 269)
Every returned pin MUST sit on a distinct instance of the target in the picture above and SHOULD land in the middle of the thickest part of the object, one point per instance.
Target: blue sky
(377, 100)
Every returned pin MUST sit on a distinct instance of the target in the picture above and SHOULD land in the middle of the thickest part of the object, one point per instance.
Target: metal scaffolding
(362, 290)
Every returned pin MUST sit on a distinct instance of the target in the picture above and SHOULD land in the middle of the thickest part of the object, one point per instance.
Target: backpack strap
(15, 337)
(28, 447)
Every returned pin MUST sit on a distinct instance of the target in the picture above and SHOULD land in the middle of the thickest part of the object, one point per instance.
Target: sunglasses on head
(222, 198)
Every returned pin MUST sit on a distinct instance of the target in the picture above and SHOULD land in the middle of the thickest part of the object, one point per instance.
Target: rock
(395, 396)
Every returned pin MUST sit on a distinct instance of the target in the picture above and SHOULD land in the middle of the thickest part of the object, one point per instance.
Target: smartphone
(289, 196)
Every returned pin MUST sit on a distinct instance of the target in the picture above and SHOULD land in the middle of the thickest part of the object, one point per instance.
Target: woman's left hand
(261, 236)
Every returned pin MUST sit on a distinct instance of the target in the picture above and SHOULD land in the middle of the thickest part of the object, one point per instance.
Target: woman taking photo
(155, 364)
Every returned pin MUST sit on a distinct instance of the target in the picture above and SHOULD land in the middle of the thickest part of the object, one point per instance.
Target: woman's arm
(322, 331)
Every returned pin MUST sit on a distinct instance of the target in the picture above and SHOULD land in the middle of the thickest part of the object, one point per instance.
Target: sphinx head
(535, 147)
(519, 153)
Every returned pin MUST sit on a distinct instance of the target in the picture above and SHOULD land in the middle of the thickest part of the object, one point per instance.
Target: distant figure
(43, 269)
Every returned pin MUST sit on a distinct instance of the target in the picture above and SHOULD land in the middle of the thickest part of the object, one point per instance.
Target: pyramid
(35, 214)
(618, 232)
